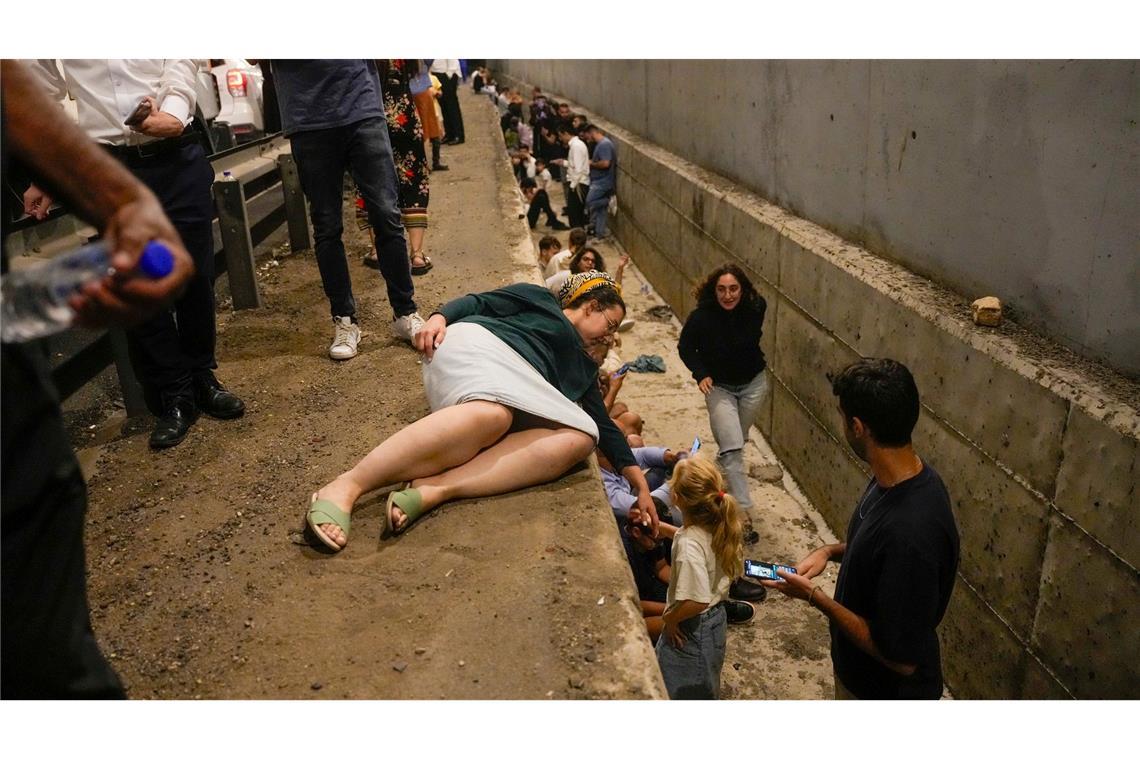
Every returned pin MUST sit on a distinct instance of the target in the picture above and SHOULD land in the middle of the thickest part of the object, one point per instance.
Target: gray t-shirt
(326, 93)
(604, 178)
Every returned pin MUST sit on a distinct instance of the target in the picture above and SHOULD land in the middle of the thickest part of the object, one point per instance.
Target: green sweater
(529, 320)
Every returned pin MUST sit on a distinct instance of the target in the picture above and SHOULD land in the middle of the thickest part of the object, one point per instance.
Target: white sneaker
(408, 325)
(345, 340)
(625, 325)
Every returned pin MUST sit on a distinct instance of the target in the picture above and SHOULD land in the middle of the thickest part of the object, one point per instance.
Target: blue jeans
(693, 671)
(362, 148)
(598, 208)
(732, 410)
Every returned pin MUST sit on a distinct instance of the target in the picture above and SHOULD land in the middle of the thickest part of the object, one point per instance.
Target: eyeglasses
(611, 326)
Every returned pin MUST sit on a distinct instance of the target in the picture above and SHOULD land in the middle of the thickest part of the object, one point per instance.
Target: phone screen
(696, 445)
(765, 570)
(622, 370)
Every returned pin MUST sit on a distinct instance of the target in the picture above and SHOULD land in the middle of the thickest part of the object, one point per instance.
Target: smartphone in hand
(622, 370)
(139, 115)
(765, 570)
(696, 446)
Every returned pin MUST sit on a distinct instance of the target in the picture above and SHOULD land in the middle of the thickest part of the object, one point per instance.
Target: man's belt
(133, 155)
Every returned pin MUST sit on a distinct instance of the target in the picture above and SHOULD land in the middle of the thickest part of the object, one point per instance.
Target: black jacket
(724, 345)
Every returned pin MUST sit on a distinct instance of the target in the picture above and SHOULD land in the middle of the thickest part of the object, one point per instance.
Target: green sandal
(323, 512)
(410, 502)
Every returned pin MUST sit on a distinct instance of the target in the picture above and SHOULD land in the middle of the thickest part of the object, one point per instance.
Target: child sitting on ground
(708, 552)
(547, 248)
(562, 260)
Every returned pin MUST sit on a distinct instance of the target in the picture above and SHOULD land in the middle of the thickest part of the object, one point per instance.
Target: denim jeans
(693, 671)
(732, 410)
(598, 208)
(363, 148)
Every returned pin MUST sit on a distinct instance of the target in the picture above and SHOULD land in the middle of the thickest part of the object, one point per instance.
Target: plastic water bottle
(33, 301)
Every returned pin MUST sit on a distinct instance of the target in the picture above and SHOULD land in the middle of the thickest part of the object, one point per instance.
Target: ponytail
(698, 486)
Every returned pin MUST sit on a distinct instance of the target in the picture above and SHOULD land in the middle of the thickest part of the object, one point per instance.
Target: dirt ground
(201, 585)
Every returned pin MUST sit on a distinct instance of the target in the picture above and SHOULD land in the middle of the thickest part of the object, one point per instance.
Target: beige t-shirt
(695, 575)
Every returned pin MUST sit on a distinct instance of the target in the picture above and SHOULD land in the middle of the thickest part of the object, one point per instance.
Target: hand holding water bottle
(138, 266)
(122, 298)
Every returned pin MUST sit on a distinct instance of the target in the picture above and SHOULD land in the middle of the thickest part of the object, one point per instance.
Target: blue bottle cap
(156, 261)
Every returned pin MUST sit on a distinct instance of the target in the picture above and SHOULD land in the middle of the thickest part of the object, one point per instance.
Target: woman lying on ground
(504, 388)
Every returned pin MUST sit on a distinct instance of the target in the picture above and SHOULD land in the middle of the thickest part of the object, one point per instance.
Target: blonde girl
(708, 552)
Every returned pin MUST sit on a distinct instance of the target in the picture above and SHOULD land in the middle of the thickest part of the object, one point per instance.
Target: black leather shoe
(215, 400)
(747, 591)
(439, 167)
(739, 612)
(172, 427)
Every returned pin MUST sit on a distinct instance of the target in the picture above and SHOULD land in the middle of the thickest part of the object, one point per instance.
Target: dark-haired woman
(720, 344)
(514, 402)
(584, 260)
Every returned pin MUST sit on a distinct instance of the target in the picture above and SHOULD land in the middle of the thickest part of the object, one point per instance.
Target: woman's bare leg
(415, 243)
(522, 459)
(430, 445)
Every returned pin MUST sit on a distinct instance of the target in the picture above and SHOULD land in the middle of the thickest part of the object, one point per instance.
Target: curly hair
(699, 492)
(576, 259)
(705, 292)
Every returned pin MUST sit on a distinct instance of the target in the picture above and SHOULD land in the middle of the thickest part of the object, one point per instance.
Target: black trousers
(48, 647)
(576, 205)
(449, 104)
(539, 204)
(175, 344)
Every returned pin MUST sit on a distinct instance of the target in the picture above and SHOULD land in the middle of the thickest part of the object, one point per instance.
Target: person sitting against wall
(630, 422)
(561, 260)
(585, 259)
(514, 401)
(720, 344)
(548, 247)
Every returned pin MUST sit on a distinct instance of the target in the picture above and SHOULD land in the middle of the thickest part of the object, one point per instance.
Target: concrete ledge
(1025, 435)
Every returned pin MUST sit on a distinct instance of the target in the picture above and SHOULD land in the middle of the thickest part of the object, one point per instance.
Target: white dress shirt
(107, 91)
(578, 163)
(447, 66)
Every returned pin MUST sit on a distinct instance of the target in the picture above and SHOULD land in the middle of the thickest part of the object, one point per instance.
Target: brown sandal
(423, 268)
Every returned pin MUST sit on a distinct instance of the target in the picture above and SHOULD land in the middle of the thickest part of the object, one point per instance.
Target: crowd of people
(520, 382)
(547, 143)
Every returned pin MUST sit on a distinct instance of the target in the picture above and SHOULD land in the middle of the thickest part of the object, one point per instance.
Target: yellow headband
(588, 285)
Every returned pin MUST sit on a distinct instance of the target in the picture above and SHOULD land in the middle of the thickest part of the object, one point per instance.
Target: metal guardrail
(264, 194)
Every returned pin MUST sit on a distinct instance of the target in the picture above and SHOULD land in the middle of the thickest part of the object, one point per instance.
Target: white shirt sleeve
(176, 95)
(47, 72)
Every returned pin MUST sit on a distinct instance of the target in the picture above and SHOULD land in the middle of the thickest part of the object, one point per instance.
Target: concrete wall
(1019, 179)
(1042, 459)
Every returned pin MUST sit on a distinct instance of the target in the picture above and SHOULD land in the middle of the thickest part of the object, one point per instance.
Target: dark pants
(48, 647)
(576, 205)
(362, 148)
(175, 344)
(539, 204)
(449, 104)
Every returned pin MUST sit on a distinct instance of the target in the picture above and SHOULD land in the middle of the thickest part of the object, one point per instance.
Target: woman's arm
(689, 349)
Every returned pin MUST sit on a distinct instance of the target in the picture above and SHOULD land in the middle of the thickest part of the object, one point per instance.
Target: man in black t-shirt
(901, 554)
